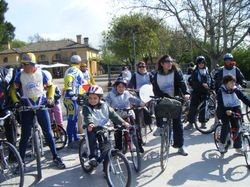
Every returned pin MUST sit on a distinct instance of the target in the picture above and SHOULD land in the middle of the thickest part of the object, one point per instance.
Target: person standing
(229, 68)
(73, 81)
(126, 74)
(88, 81)
(201, 82)
(31, 84)
(168, 82)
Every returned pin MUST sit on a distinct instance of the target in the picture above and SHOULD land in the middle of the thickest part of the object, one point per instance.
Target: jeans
(177, 130)
(27, 119)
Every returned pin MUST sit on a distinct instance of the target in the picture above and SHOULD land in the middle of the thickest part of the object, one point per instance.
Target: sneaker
(58, 162)
(239, 151)
(157, 132)
(93, 162)
(189, 127)
(221, 147)
(152, 116)
(182, 151)
(203, 126)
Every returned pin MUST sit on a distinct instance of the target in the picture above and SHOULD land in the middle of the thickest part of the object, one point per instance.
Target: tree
(136, 37)
(214, 26)
(6, 28)
(37, 38)
(17, 43)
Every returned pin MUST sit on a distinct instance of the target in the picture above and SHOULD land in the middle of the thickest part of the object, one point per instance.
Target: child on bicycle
(120, 98)
(229, 97)
(97, 113)
(55, 110)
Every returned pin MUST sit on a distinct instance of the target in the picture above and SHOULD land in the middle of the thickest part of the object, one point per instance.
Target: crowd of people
(33, 86)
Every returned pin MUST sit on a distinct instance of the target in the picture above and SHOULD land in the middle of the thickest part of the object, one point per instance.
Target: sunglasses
(142, 66)
(168, 61)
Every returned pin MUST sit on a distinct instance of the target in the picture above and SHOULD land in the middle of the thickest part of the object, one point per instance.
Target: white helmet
(48, 75)
(75, 59)
(95, 89)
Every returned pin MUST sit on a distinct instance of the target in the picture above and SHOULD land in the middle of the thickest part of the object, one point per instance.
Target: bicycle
(207, 107)
(59, 134)
(115, 163)
(130, 138)
(243, 131)
(11, 165)
(166, 114)
(36, 137)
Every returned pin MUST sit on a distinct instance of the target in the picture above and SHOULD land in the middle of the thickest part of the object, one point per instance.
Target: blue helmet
(120, 80)
(228, 56)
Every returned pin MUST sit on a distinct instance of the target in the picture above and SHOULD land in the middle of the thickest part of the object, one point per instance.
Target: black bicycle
(11, 165)
(36, 137)
(116, 165)
(207, 106)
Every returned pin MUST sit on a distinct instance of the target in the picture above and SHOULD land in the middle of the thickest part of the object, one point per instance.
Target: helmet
(75, 59)
(95, 89)
(28, 58)
(200, 59)
(120, 80)
(48, 75)
(228, 56)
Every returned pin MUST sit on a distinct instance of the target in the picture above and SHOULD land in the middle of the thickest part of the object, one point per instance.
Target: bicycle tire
(119, 161)
(37, 149)
(14, 168)
(165, 145)
(209, 119)
(135, 154)
(84, 156)
(217, 134)
(246, 148)
(60, 137)
(247, 113)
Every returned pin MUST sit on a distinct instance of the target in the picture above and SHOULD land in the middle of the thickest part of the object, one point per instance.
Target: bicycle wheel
(11, 166)
(118, 170)
(246, 148)
(135, 153)
(165, 145)
(248, 114)
(60, 137)
(208, 126)
(37, 150)
(217, 133)
(84, 156)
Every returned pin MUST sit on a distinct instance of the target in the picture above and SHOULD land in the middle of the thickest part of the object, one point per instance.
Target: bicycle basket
(168, 107)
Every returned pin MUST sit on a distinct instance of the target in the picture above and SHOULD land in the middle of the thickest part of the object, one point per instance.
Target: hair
(190, 70)
(162, 59)
(228, 78)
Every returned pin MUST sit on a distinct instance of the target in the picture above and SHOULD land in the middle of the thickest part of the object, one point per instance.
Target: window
(5, 60)
(58, 57)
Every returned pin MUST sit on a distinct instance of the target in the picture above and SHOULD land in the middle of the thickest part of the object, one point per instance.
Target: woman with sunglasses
(168, 82)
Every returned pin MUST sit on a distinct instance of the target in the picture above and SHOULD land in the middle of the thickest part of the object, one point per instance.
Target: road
(202, 167)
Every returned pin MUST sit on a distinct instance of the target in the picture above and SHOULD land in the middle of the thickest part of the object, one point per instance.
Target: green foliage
(17, 43)
(136, 37)
(242, 57)
(6, 28)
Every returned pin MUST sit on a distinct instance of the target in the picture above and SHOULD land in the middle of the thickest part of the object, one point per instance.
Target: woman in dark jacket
(201, 82)
(168, 82)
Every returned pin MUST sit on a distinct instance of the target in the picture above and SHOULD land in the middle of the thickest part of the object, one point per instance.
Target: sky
(58, 19)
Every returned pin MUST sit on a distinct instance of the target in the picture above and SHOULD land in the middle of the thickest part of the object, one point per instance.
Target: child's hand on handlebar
(229, 112)
(91, 126)
(126, 124)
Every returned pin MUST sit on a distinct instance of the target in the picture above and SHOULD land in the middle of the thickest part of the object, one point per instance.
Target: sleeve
(108, 99)
(87, 116)
(68, 82)
(181, 83)
(220, 106)
(242, 97)
(132, 82)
